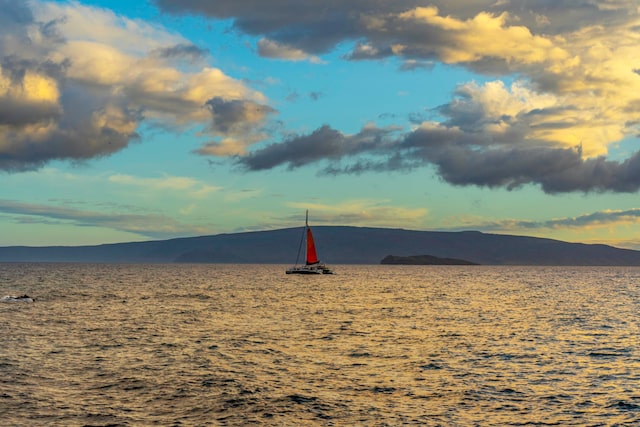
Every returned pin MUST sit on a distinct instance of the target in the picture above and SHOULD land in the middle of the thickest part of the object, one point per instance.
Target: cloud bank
(73, 91)
(155, 226)
(585, 222)
(490, 136)
(76, 83)
(575, 97)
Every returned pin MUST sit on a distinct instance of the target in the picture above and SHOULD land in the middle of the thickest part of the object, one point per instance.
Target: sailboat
(312, 265)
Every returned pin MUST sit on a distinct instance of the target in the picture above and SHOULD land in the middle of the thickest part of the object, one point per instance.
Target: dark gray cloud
(323, 144)
(14, 17)
(458, 158)
(233, 116)
(188, 51)
(18, 113)
(366, 51)
(312, 26)
(557, 170)
(318, 26)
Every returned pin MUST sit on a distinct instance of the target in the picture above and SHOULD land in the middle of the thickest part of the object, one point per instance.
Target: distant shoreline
(337, 245)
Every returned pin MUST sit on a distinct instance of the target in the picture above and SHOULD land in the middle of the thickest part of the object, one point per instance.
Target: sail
(313, 265)
(312, 256)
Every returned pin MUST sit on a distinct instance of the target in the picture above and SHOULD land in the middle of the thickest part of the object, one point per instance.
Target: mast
(312, 263)
(305, 234)
(303, 240)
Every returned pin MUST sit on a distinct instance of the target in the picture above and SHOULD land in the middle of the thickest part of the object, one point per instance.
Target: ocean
(235, 345)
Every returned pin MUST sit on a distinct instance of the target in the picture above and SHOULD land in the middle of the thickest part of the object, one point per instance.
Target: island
(423, 260)
(338, 245)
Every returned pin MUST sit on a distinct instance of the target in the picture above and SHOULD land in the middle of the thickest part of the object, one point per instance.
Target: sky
(131, 121)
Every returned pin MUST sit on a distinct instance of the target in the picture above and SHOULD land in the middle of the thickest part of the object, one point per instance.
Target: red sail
(312, 257)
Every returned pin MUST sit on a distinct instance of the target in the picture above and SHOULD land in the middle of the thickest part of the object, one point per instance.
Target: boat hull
(313, 265)
(309, 270)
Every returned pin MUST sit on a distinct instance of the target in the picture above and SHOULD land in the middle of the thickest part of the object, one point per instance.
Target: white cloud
(180, 185)
(104, 27)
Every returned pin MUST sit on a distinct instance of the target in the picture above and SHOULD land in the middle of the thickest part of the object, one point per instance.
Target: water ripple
(177, 345)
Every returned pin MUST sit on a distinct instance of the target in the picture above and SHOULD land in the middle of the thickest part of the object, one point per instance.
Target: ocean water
(208, 345)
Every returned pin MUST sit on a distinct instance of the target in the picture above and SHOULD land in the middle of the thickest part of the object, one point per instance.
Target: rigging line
(304, 230)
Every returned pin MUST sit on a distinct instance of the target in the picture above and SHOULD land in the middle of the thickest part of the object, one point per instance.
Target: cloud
(597, 219)
(485, 42)
(232, 116)
(310, 26)
(76, 82)
(180, 184)
(273, 49)
(361, 212)
(149, 225)
(576, 95)
(489, 136)
(182, 50)
(319, 26)
(458, 160)
(589, 221)
(414, 64)
(234, 196)
(239, 124)
(322, 144)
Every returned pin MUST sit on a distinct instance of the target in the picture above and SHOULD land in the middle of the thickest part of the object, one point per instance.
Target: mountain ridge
(336, 245)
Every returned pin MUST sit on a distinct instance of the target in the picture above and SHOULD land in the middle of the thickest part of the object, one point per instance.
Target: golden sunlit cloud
(485, 35)
(273, 49)
(81, 80)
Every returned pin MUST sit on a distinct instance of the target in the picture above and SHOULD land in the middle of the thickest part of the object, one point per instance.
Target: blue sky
(129, 121)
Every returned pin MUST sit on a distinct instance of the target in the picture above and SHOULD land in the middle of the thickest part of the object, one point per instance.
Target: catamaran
(312, 265)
